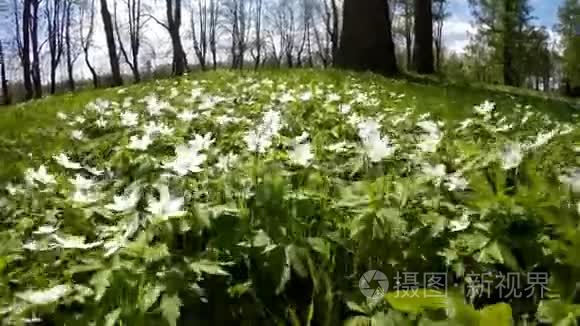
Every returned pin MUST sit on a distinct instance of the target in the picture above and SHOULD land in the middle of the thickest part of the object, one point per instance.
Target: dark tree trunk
(508, 56)
(424, 37)
(366, 41)
(116, 79)
(36, 77)
(4, 80)
(69, 55)
(26, 68)
(174, 24)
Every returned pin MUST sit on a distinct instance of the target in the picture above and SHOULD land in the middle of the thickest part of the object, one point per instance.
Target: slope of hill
(276, 197)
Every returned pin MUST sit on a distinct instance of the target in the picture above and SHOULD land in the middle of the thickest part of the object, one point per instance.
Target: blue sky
(458, 26)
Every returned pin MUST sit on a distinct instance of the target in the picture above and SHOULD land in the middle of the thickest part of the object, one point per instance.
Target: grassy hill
(270, 197)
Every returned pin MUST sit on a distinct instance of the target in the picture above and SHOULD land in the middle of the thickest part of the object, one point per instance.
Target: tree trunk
(116, 79)
(69, 56)
(424, 37)
(4, 80)
(26, 67)
(36, 77)
(366, 41)
(173, 26)
(508, 73)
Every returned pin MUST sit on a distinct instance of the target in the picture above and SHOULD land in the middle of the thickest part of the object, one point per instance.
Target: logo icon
(373, 284)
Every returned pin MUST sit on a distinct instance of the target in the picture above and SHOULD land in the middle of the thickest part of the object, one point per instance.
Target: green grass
(22, 127)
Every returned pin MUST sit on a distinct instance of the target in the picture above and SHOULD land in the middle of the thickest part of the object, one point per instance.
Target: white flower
(142, 143)
(378, 148)
(154, 106)
(306, 96)
(437, 172)
(200, 142)
(456, 182)
(368, 128)
(286, 98)
(429, 127)
(257, 142)
(84, 196)
(77, 135)
(543, 138)
(153, 128)
(511, 156)
(63, 160)
(345, 108)
(129, 119)
(41, 175)
(338, 147)
(45, 229)
(226, 161)
(166, 207)
(81, 182)
(101, 122)
(429, 143)
(188, 159)
(94, 171)
(272, 122)
(126, 202)
(333, 97)
(572, 179)
(62, 116)
(80, 119)
(461, 224)
(42, 297)
(485, 108)
(74, 242)
(186, 116)
(301, 154)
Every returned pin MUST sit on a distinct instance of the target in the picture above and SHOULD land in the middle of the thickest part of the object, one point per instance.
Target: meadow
(265, 198)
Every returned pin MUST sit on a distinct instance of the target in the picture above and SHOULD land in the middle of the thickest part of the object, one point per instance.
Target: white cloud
(456, 34)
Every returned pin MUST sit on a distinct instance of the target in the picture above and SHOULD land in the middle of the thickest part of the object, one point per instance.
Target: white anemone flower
(41, 175)
(166, 207)
(456, 182)
(188, 160)
(125, 203)
(345, 108)
(140, 143)
(225, 162)
(301, 154)
(543, 138)
(429, 127)
(429, 143)
(43, 297)
(378, 148)
(186, 116)
(77, 135)
(74, 242)
(200, 142)
(306, 96)
(62, 116)
(485, 109)
(45, 230)
(101, 123)
(511, 156)
(129, 119)
(63, 160)
(435, 172)
(572, 179)
(257, 142)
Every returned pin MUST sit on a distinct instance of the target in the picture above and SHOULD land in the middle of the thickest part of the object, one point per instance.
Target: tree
(238, 21)
(366, 42)
(55, 13)
(440, 14)
(569, 30)
(71, 53)
(503, 25)
(36, 48)
(257, 48)
(116, 79)
(135, 24)
(3, 79)
(173, 11)
(405, 10)
(203, 32)
(87, 40)
(423, 54)
(25, 52)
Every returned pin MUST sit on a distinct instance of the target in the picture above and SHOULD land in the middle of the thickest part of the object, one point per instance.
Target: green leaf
(417, 301)
(112, 317)
(100, 282)
(207, 267)
(149, 295)
(170, 308)
(499, 314)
